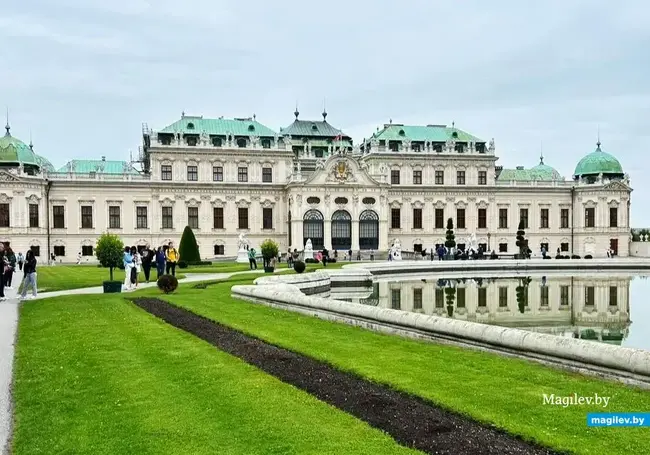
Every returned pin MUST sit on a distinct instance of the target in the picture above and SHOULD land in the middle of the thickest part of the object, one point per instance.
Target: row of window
(193, 141)
(166, 173)
(439, 218)
(439, 177)
(142, 217)
(440, 297)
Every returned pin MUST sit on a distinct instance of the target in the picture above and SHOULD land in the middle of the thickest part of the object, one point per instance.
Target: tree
(269, 250)
(450, 241)
(522, 243)
(188, 249)
(110, 251)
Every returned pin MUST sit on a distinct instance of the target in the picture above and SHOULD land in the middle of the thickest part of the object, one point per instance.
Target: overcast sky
(83, 75)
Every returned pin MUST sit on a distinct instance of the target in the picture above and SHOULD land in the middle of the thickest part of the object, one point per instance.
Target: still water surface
(610, 309)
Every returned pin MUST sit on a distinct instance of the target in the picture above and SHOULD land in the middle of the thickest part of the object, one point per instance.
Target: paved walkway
(9, 324)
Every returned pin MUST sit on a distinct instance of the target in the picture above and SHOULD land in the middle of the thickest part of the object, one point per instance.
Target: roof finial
(390, 121)
(182, 114)
(296, 112)
(7, 127)
(541, 152)
(453, 125)
(254, 117)
(31, 144)
(598, 143)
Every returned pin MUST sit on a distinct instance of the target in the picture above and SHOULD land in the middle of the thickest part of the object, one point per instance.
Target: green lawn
(506, 392)
(97, 375)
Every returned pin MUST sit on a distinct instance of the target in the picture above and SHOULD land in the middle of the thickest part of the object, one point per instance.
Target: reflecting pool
(592, 307)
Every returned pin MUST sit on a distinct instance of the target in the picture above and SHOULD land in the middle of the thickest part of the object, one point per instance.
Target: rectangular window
(267, 218)
(168, 218)
(166, 172)
(613, 296)
(613, 217)
(523, 217)
(564, 295)
(36, 250)
(114, 221)
(503, 218)
(417, 298)
(483, 246)
(482, 177)
(87, 250)
(417, 177)
(395, 219)
(440, 177)
(33, 215)
(440, 218)
(217, 174)
(460, 218)
(590, 295)
(193, 217)
(503, 247)
(394, 177)
(242, 174)
(482, 218)
(460, 177)
(4, 215)
(219, 250)
(440, 298)
(217, 215)
(482, 297)
(58, 215)
(564, 247)
(543, 296)
(267, 175)
(564, 218)
(192, 173)
(86, 217)
(59, 250)
(396, 299)
(543, 218)
(242, 214)
(417, 218)
(503, 296)
(141, 218)
(590, 217)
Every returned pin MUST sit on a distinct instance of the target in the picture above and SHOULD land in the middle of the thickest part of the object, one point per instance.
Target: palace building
(309, 180)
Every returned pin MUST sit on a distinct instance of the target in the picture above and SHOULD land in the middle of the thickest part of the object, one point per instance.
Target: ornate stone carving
(491, 146)
(341, 172)
(4, 177)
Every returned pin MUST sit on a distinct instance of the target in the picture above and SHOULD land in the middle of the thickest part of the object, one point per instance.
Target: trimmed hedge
(167, 283)
(299, 266)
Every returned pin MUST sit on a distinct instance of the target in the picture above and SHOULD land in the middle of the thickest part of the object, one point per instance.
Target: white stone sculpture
(242, 254)
(396, 250)
(308, 252)
(472, 242)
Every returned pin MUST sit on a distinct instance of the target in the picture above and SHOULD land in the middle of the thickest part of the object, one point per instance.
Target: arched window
(368, 230)
(312, 228)
(341, 230)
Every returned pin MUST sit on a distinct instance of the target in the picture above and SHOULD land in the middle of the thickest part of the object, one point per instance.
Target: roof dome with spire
(15, 152)
(544, 171)
(598, 162)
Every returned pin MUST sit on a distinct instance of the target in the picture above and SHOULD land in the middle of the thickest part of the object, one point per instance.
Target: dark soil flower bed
(410, 420)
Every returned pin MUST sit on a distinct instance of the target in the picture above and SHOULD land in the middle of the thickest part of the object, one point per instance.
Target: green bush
(167, 283)
(189, 249)
(450, 241)
(312, 261)
(269, 250)
(299, 266)
(182, 264)
(110, 252)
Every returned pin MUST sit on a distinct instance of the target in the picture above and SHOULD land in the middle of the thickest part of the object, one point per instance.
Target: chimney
(103, 158)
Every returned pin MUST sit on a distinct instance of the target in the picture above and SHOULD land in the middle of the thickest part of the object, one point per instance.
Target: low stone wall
(350, 278)
(308, 283)
(503, 265)
(630, 360)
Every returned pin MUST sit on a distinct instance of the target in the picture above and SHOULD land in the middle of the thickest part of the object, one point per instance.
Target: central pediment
(340, 170)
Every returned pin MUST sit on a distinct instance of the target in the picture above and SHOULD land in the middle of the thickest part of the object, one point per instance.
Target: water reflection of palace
(588, 307)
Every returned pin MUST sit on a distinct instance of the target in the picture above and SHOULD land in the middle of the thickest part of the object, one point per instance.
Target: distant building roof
(219, 126)
(419, 133)
(314, 128)
(16, 152)
(598, 162)
(99, 166)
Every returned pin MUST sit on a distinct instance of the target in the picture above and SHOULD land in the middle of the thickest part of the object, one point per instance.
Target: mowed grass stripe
(96, 375)
(503, 391)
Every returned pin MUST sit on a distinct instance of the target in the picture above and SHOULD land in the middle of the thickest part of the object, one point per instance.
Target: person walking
(137, 265)
(251, 259)
(172, 257)
(147, 258)
(20, 260)
(29, 278)
(9, 271)
(160, 262)
(3, 265)
(128, 266)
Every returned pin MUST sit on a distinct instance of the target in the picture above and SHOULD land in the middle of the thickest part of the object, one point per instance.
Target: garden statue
(396, 250)
(242, 253)
(308, 252)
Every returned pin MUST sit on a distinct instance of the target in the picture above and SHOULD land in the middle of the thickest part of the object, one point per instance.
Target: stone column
(355, 235)
(296, 235)
(327, 233)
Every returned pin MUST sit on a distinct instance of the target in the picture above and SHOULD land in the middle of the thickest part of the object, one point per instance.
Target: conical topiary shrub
(188, 249)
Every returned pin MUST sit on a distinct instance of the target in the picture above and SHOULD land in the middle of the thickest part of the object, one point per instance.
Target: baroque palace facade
(223, 177)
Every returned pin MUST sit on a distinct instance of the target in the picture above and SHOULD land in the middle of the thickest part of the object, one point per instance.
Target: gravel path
(8, 324)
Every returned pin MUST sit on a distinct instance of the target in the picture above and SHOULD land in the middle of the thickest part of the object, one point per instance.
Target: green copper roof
(434, 133)
(99, 166)
(219, 127)
(542, 172)
(45, 164)
(312, 128)
(15, 151)
(598, 162)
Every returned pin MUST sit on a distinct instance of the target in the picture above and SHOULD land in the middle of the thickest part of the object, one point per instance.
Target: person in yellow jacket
(172, 257)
